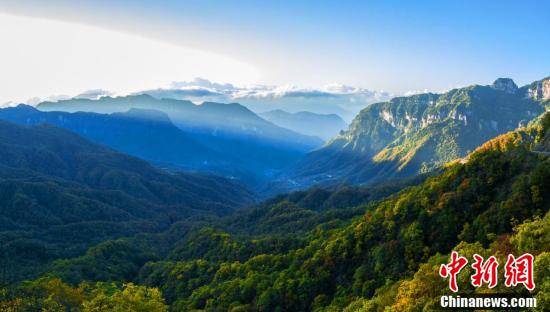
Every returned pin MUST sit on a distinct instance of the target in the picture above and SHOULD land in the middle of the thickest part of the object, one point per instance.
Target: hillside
(472, 206)
(323, 126)
(416, 134)
(60, 194)
(151, 135)
(378, 255)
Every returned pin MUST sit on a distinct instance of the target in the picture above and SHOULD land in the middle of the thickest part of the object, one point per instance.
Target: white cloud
(94, 94)
(41, 57)
(414, 92)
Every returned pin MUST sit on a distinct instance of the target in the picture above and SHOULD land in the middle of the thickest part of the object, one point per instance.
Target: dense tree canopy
(308, 252)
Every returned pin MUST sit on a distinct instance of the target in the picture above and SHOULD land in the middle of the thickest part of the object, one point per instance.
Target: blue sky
(383, 45)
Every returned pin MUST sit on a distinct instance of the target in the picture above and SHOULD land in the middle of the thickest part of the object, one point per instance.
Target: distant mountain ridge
(415, 134)
(324, 126)
(143, 133)
(225, 139)
(339, 99)
(231, 119)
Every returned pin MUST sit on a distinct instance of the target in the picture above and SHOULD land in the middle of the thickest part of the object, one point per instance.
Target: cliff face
(415, 134)
(538, 90)
(474, 106)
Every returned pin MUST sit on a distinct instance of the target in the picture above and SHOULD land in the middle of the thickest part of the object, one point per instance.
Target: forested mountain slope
(502, 184)
(61, 194)
(495, 201)
(415, 134)
(146, 134)
(151, 135)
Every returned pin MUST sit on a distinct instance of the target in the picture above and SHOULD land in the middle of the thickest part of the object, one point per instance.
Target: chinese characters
(517, 271)
(452, 269)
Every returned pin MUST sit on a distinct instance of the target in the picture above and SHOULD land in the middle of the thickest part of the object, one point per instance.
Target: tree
(131, 297)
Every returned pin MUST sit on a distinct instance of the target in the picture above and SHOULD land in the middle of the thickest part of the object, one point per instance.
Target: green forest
(374, 248)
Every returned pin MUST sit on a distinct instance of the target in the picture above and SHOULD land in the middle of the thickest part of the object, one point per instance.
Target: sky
(60, 47)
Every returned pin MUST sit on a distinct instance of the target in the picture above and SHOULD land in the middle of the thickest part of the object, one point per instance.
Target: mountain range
(342, 100)
(323, 126)
(85, 226)
(350, 249)
(387, 140)
(146, 134)
(225, 139)
(217, 118)
(417, 134)
(339, 99)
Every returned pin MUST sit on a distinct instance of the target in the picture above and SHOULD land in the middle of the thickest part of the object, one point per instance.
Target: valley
(186, 206)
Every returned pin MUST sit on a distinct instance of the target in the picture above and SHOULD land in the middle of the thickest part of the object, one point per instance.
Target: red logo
(452, 269)
(520, 271)
(485, 272)
(517, 271)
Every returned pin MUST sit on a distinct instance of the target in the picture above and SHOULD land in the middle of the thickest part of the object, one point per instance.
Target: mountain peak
(506, 85)
(25, 108)
(147, 114)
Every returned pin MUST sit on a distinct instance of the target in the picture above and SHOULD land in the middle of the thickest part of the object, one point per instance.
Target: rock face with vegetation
(538, 90)
(416, 134)
(505, 85)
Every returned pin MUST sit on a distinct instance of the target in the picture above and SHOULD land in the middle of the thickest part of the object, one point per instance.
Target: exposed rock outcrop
(505, 84)
(540, 90)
